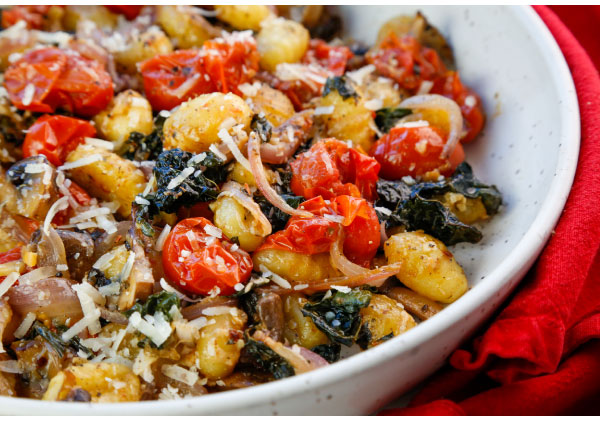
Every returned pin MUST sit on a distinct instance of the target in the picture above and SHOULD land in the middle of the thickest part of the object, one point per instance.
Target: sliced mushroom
(269, 310)
(29, 187)
(79, 249)
(415, 303)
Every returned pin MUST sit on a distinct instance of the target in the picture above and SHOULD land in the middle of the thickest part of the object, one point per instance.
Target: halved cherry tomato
(414, 151)
(317, 234)
(10, 255)
(197, 262)
(129, 11)
(49, 78)
(55, 137)
(470, 103)
(33, 16)
(171, 79)
(406, 61)
(329, 57)
(231, 63)
(331, 168)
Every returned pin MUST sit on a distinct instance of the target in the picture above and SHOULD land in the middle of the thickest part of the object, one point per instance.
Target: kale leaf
(386, 118)
(365, 337)
(341, 85)
(55, 341)
(415, 207)
(265, 359)
(161, 302)
(199, 186)
(338, 315)
(331, 352)
(141, 147)
(276, 217)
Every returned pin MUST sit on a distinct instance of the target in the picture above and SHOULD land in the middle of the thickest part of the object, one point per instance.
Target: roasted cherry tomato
(470, 103)
(48, 78)
(316, 235)
(129, 11)
(33, 16)
(220, 66)
(79, 194)
(329, 57)
(10, 255)
(171, 79)
(331, 168)
(231, 63)
(55, 137)
(197, 262)
(414, 151)
(406, 61)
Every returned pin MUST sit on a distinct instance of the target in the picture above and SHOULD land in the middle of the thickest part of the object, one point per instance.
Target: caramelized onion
(52, 296)
(261, 180)
(439, 102)
(341, 262)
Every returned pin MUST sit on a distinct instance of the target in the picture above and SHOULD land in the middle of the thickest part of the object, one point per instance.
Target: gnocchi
(281, 41)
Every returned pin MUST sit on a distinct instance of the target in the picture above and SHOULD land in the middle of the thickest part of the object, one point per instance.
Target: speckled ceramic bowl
(529, 151)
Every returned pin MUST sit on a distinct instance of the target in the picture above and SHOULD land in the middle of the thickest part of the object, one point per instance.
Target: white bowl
(529, 151)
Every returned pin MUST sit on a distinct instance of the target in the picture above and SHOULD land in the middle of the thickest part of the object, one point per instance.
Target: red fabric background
(541, 354)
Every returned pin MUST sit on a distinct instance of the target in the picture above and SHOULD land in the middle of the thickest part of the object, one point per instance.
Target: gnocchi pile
(200, 199)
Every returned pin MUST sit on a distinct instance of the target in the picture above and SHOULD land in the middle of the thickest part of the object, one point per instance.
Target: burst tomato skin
(33, 16)
(414, 151)
(331, 168)
(316, 235)
(329, 57)
(171, 79)
(60, 79)
(55, 137)
(10, 255)
(129, 11)
(211, 262)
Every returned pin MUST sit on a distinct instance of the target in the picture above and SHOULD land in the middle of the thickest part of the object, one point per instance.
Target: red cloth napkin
(541, 356)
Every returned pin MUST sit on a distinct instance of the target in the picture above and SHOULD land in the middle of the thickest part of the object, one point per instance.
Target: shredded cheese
(82, 162)
(180, 374)
(59, 205)
(160, 241)
(8, 282)
(25, 325)
(324, 110)
(213, 148)
(180, 178)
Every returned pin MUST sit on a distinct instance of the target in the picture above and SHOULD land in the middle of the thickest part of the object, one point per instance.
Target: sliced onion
(297, 358)
(282, 146)
(341, 262)
(50, 249)
(373, 277)
(261, 180)
(439, 102)
(52, 296)
(234, 190)
(195, 310)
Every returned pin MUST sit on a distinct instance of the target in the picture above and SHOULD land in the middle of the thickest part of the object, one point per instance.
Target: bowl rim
(513, 266)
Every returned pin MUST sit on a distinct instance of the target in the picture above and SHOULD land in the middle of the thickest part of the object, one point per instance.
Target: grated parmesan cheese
(25, 326)
(177, 180)
(373, 104)
(213, 231)
(233, 147)
(283, 283)
(382, 210)
(59, 205)
(82, 162)
(126, 271)
(160, 241)
(217, 310)
(28, 94)
(341, 288)
(154, 327)
(300, 287)
(180, 374)
(81, 324)
(324, 110)
(104, 144)
(213, 148)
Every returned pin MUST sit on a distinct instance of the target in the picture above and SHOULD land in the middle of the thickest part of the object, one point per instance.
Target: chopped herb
(264, 358)
(161, 302)
(338, 316)
(386, 118)
(341, 85)
(262, 126)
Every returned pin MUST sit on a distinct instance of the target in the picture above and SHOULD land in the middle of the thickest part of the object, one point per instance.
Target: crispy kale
(341, 85)
(60, 346)
(161, 302)
(141, 147)
(265, 359)
(365, 337)
(276, 217)
(331, 352)
(338, 315)
(415, 207)
(386, 118)
(204, 172)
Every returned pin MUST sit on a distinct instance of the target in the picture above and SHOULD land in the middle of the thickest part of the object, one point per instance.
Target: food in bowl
(205, 199)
